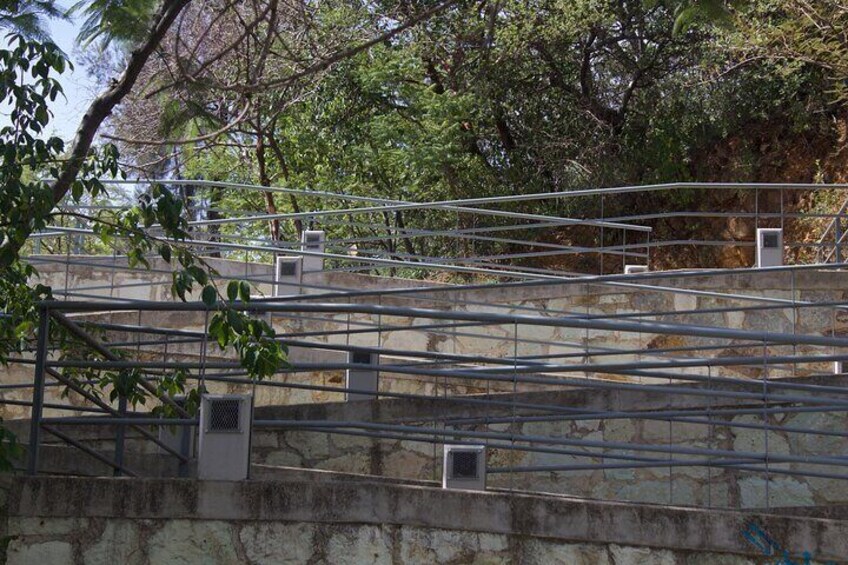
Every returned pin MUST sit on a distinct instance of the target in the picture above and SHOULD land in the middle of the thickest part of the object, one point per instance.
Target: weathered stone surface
(283, 458)
(772, 321)
(811, 444)
(657, 431)
(716, 559)
(310, 445)
(405, 464)
(46, 527)
(188, 542)
(540, 551)
(421, 545)
(752, 440)
(782, 491)
(619, 430)
(640, 556)
(361, 544)
(20, 553)
(118, 543)
(274, 542)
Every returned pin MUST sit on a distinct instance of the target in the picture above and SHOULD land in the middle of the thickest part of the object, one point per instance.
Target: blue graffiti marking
(769, 547)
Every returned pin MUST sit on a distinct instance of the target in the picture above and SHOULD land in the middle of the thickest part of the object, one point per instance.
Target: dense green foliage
(483, 100)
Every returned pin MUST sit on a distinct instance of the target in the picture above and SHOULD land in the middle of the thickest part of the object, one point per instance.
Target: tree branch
(103, 105)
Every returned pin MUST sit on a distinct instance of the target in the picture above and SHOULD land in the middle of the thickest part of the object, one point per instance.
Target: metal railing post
(120, 436)
(38, 390)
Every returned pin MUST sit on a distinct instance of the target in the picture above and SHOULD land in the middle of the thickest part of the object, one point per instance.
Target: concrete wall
(56, 520)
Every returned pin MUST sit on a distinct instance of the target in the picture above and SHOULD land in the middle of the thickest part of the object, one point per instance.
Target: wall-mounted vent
(286, 269)
(364, 382)
(288, 277)
(769, 247)
(771, 240)
(312, 241)
(839, 367)
(223, 450)
(464, 467)
(635, 269)
(225, 415)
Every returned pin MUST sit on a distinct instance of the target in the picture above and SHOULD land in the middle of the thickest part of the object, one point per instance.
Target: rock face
(206, 542)
(104, 521)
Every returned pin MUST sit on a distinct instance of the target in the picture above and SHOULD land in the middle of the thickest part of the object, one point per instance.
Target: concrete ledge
(555, 518)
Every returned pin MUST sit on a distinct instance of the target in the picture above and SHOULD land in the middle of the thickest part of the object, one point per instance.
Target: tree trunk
(270, 206)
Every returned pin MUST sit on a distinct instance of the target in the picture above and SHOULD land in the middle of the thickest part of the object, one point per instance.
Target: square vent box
(769, 247)
(464, 467)
(288, 276)
(839, 367)
(223, 450)
(362, 379)
(312, 241)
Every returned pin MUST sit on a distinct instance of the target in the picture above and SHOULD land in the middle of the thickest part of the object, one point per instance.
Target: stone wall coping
(552, 517)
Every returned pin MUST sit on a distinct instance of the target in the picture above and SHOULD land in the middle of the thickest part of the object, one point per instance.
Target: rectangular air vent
(224, 415)
(312, 241)
(361, 357)
(770, 240)
(464, 467)
(363, 381)
(769, 247)
(288, 278)
(286, 269)
(223, 448)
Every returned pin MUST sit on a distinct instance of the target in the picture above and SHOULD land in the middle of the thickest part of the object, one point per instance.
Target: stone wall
(56, 520)
(280, 451)
(492, 341)
(681, 485)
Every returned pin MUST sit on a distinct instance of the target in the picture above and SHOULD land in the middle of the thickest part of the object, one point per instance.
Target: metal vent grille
(312, 240)
(287, 269)
(361, 358)
(224, 415)
(464, 465)
(770, 240)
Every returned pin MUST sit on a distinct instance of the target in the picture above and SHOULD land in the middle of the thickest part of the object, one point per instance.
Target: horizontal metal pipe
(620, 326)
(772, 458)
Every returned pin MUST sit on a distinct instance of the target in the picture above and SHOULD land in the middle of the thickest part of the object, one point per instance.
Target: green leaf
(244, 291)
(232, 290)
(209, 295)
(165, 252)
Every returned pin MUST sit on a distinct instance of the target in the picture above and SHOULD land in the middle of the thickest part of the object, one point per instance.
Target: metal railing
(525, 358)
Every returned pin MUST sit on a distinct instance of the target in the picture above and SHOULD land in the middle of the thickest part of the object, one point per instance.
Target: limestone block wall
(493, 341)
(781, 485)
(680, 485)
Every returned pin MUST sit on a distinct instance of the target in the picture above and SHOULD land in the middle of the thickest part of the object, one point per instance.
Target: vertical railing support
(120, 437)
(38, 390)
